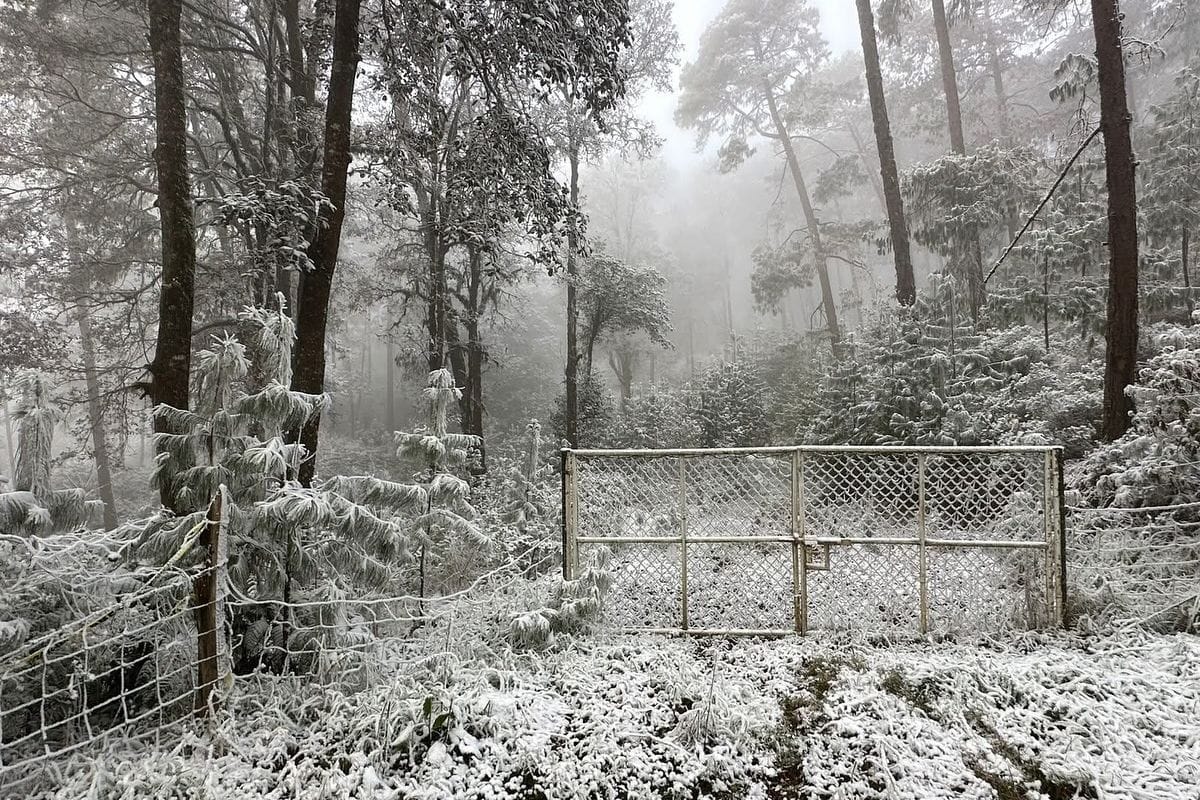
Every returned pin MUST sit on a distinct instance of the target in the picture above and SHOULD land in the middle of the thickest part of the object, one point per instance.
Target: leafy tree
(597, 415)
(753, 77)
(957, 201)
(777, 271)
(1171, 208)
(580, 129)
(617, 298)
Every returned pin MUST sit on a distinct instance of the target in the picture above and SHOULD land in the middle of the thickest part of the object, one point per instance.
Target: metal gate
(786, 539)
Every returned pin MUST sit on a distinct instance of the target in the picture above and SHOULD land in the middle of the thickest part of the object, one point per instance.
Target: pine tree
(33, 507)
(447, 536)
(292, 547)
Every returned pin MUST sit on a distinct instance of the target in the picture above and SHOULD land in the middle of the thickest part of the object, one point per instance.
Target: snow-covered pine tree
(33, 507)
(295, 553)
(526, 504)
(450, 542)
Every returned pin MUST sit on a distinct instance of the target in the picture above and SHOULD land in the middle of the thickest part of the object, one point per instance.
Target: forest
(599, 398)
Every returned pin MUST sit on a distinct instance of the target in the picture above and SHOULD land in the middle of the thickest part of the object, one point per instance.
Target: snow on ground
(1035, 715)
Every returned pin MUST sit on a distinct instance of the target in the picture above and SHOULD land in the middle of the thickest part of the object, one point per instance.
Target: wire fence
(147, 654)
(143, 654)
(788, 539)
(1136, 566)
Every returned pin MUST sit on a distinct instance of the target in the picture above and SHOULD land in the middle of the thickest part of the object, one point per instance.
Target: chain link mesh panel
(785, 539)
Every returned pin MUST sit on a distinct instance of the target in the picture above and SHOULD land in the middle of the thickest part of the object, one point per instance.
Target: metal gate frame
(1052, 545)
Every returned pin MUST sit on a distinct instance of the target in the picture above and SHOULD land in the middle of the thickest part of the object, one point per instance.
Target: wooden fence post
(205, 599)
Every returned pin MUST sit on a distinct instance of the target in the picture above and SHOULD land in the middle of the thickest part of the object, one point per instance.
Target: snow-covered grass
(1035, 715)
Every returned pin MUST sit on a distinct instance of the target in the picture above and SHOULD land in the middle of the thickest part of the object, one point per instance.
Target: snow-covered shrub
(1157, 462)
(576, 605)
(934, 380)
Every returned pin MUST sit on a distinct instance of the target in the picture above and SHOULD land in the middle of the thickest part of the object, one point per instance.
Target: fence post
(206, 605)
(570, 519)
(683, 543)
(802, 529)
(797, 527)
(1063, 610)
(921, 553)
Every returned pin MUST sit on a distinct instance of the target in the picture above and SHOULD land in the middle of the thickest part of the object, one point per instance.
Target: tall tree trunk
(997, 69)
(906, 288)
(589, 347)
(96, 419)
(171, 367)
(312, 308)
(10, 447)
(390, 416)
(1121, 329)
(456, 362)
(1187, 279)
(941, 27)
(475, 352)
(572, 369)
(622, 364)
(810, 217)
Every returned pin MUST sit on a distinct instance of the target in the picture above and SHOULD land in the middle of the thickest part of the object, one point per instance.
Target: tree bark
(1121, 330)
(475, 351)
(10, 448)
(572, 369)
(312, 308)
(810, 217)
(390, 415)
(906, 289)
(997, 69)
(949, 78)
(1185, 239)
(171, 367)
(622, 363)
(96, 419)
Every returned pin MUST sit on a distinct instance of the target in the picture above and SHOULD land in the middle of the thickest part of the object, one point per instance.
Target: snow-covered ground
(1033, 715)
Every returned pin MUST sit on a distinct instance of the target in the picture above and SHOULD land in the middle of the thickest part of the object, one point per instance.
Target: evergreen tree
(33, 506)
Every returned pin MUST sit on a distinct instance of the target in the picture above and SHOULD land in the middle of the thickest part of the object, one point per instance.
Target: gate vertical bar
(797, 611)
(570, 515)
(921, 555)
(683, 547)
(1061, 544)
(802, 530)
(1049, 492)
